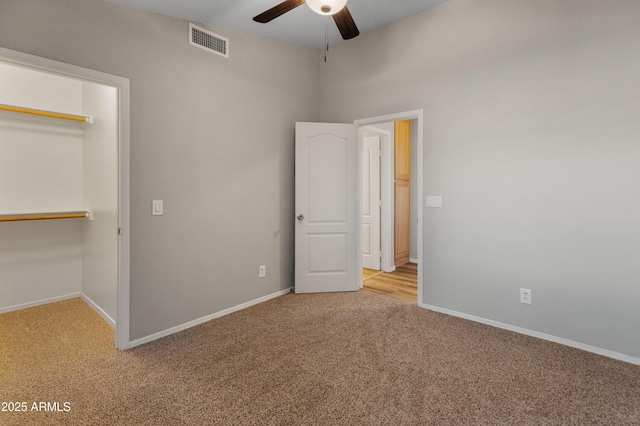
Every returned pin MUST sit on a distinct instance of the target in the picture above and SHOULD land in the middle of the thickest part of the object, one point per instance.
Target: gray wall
(531, 137)
(212, 137)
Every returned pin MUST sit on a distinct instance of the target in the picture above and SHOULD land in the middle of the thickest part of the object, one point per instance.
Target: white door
(326, 216)
(371, 202)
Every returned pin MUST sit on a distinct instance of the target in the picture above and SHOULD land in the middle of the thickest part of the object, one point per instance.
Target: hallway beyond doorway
(401, 284)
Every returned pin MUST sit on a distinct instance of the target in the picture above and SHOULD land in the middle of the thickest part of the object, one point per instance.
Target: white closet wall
(100, 195)
(51, 164)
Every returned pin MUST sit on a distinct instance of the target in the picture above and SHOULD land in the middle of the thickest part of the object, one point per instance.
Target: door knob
(300, 216)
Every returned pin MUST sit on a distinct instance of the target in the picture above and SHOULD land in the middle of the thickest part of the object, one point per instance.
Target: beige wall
(212, 137)
(531, 138)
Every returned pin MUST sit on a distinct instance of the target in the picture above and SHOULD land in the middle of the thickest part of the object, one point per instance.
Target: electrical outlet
(262, 271)
(525, 296)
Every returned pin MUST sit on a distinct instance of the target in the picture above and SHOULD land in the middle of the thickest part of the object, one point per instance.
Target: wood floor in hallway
(401, 283)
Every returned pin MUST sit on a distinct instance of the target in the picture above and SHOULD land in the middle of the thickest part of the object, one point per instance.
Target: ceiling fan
(336, 8)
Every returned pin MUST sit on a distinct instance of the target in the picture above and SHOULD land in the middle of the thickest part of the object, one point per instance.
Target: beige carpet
(329, 359)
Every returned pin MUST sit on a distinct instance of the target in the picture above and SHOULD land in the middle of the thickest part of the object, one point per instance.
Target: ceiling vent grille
(207, 40)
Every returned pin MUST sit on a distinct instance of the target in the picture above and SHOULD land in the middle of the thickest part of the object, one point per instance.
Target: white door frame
(406, 115)
(122, 86)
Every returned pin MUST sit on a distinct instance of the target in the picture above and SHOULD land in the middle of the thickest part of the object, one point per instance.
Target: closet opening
(64, 188)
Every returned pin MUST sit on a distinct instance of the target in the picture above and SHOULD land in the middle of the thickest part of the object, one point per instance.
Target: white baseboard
(39, 302)
(172, 330)
(99, 310)
(413, 261)
(588, 348)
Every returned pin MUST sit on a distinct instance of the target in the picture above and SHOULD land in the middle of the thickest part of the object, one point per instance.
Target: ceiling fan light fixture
(326, 7)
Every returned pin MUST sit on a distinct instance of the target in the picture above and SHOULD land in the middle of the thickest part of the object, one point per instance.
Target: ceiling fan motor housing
(326, 7)
(337, 9)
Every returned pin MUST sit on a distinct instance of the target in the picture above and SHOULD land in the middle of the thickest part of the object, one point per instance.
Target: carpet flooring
(319, 359)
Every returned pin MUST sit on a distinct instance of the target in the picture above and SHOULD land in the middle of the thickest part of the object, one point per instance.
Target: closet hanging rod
(44, 113)
(46, 216)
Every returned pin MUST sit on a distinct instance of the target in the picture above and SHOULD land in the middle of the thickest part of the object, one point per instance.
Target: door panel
(402, 241)
(327, 253)
(402, 174)
(326, 241)
(326, 178)
(402, 150)
(371, 203)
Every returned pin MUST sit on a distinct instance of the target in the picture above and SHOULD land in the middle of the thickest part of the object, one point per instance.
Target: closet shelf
(44, 113)
(45, 215)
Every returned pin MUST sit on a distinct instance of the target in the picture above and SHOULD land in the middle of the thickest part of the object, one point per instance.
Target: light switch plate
(434, 201)
(157, 208)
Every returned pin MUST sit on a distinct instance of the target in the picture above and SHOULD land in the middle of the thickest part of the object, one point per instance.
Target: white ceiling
(300, 26)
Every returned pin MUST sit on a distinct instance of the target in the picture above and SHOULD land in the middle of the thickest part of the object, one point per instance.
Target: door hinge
(120, 231)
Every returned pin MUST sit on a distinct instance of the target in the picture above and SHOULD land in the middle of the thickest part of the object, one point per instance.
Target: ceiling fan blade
(346, 24)
(278, 10)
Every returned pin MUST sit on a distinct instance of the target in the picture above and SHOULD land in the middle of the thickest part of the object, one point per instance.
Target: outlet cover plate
(525, 296)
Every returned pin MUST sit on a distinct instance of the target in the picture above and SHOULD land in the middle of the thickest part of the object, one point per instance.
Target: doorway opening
(405, 280)
(66, 152)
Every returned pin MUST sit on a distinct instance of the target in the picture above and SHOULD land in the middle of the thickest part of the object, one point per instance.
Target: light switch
(157, 208)
(434, 201)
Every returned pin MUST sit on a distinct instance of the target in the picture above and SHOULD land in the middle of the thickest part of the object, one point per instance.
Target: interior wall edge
(99, 310)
